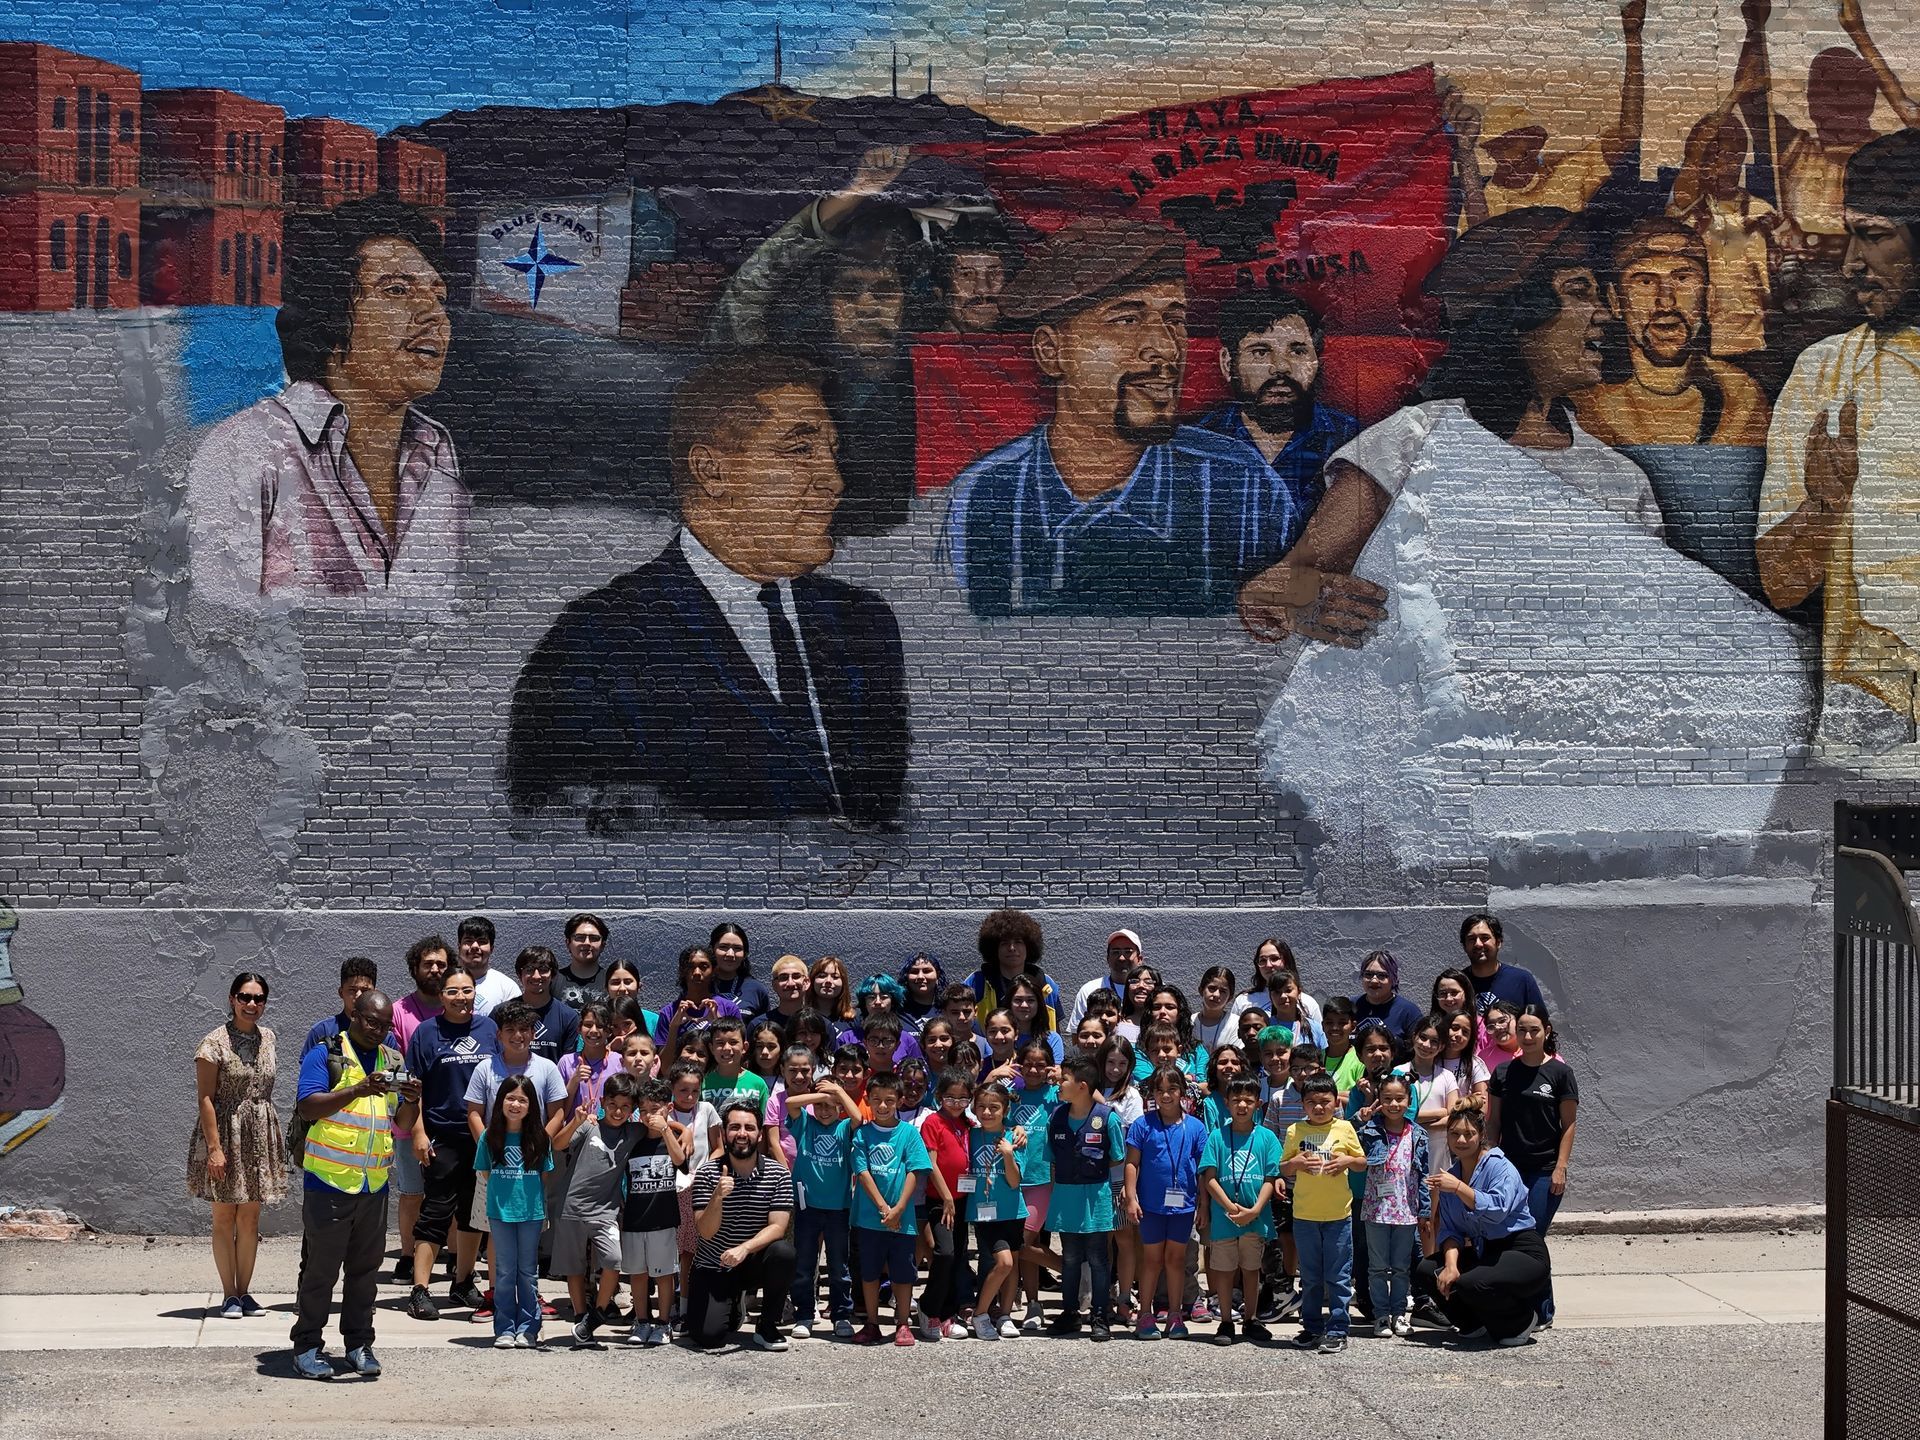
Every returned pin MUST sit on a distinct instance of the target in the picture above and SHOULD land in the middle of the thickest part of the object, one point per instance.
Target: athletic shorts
(887, 1255)
(406, 1177)
(447, 1197)
(1038, 1198)
(1242, 1252)
(586, 1247)
(993, 1236)
(1166, 1229)
(653, 1253)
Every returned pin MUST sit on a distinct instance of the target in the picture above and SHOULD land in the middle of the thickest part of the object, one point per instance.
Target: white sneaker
(521, 1342)
(802, 1330)
(1383, 1328)
(957, 1330)
(1009, 1330)
(1035, 1322)
(843, 1329)
(503, 1342)
(1403, 1325)
(984, 1328)
(932, 1331)
(1525, 1337)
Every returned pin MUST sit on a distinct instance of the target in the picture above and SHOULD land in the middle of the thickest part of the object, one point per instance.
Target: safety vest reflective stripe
(347, 1157)
(352, 1148)
(357, 1120)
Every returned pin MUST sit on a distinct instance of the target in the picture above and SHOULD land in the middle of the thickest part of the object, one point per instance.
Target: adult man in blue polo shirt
(1270, 357)
(1112, 507)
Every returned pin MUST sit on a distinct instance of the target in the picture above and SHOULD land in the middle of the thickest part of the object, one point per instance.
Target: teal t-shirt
(1242, 1164)
(1033, 1108)
(993, 1199)
(514, 1193)
(1087, 1209)
(821, 1159)
(1215, 1115)
(889, 1156)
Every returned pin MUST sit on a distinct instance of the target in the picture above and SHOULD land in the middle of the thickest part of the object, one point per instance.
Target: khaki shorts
(1243, 1252)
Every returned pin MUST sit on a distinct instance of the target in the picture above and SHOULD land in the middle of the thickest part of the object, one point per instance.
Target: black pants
(715, 1298)
(339, 1232)
(448, 1185)
(1362, 1293)
(945, 1291)
(1497, 1288)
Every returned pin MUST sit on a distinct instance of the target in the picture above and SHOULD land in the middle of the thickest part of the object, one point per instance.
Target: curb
(1734, 1220)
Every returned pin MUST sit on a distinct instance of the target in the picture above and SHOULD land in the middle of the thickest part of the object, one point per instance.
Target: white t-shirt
(1248, 999)
(493, 1072)
(702, 1120)
(494, 989)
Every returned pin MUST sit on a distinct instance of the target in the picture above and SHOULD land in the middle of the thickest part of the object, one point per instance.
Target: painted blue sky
(387, 62)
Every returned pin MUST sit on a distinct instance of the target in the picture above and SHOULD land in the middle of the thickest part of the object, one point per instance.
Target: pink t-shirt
(408, 1011)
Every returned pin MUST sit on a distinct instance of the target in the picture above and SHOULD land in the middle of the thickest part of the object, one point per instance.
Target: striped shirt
(744, 1213)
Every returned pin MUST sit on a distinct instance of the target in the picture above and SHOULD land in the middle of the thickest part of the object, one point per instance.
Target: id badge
(967, 1184)
(1175, 1198)
(985, 1214)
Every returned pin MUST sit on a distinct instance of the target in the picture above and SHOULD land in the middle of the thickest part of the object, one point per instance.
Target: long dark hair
(320, 274)
(720, 932)
(533, 1131)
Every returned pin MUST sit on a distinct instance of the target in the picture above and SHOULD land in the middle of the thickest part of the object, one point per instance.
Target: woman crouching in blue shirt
(1492, 1266)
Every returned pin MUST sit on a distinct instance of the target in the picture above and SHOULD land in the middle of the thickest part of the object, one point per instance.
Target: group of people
(751, 1148)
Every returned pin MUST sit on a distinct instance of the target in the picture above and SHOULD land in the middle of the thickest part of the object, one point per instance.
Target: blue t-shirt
(556, 1029)
(1511, 983)
(323, 1031)
(889, 1156)
(1033, 1108)
(822, 1170)
(1399, 1015)
(1087, 1209)
(1242, 1164)
(514, 1193)
(443, 1056)
(1169, 1161)
(993, 1200)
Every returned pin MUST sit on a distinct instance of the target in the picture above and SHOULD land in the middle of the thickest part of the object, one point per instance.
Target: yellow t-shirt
(1321, 1197)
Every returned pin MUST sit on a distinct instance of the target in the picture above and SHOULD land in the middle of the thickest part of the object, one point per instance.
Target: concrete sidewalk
(110, 1295)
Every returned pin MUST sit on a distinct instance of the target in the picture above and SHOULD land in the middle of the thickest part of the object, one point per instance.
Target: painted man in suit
(725, 675)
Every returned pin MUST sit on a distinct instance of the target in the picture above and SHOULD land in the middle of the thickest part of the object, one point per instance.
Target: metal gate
(1873, 1130)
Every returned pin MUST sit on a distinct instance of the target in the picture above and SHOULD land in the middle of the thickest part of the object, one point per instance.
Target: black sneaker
(466, 1295)
(1100, 1331)
(420, 1304)
(584, 1327)
(1224, 1335)
(403, 1270)
(1308, 1340)
(1333, 1344)
(1257, 1331)
(1269, 1309)
(1063, 1325)
(1288, 1308)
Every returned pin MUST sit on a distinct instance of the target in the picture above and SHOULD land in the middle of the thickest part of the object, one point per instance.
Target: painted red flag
(1339, 192)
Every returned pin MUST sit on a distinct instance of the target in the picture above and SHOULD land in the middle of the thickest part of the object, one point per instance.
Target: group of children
(1283, 1156)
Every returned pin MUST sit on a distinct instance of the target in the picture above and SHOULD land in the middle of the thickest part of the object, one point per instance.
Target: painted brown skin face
(1882, 267)
(763, 497)
(1273, 373)
(1662, 302)
(397, 346)
(867, 307)
(1563, 355)
(973, 291)
(1119, 363)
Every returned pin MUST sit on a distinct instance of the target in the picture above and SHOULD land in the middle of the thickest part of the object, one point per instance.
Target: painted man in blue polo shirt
(1112, 507)
(1270, 357)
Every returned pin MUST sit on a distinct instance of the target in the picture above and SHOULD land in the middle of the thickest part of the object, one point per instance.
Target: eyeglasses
(1373, 975)
(246, 998)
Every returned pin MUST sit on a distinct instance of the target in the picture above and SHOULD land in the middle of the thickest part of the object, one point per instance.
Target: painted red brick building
(330, 162)
(214, 176)
(70, 145)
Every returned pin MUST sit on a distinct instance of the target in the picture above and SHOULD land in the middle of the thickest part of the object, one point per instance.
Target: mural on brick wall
(1494, 453)
(33, 1060)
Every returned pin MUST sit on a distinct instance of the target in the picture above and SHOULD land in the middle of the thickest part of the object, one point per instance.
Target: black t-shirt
(571, 990)
(652, 1202)
(1530, 1099)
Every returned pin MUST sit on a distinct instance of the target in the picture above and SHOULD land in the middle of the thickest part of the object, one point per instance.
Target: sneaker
(584, 1327)
(1256, 1331)
(843, 1329)
(1060, 1326)
(547, 1312)
(1525, 1337)
(1201, 1309)
(1224, 1335)
(403, 1270)
(1383, 1329)
(1545, 1322)
(1035, 1322)
(420, 1304)
(503, 1341)
(1469, 1337)
(802, 1330)
(1287, 1308)
(1100, 1331)
(230, 1308)
(958, 1330)
(520, 1342)
(466, 1296)
(1177, 1330)
(363, 1362)
(1401, 1325)
(1269, 1308)
(658, 1335)
(640, 1333)
(1009, 1330)
(1146, 1330)
(983, 1327)
(312, 1365)
(1333, 1344)
(931, 1331)
(1307, 1340)
(775, 1341)
(250, 1307)
(903, 1336)
(1426, 1313)
(869, 1335)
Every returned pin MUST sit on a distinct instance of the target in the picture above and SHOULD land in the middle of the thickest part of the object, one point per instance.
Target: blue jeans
(1543, 1205)
(516, 1277)
(1326, 1273)
(1090, 1250)
(1390, 1267)
(810, 1229)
